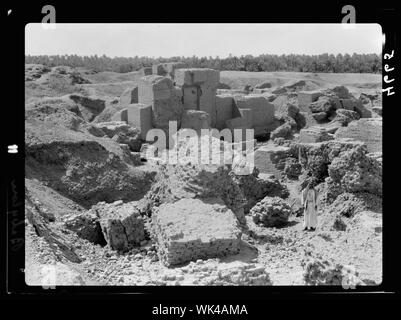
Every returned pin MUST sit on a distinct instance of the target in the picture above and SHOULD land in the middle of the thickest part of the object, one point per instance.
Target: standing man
(309, 202)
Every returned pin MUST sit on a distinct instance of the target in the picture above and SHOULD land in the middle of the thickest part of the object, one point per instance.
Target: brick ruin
(189, 97)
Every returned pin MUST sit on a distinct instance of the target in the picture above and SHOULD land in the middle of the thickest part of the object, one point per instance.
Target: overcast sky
(167, 40)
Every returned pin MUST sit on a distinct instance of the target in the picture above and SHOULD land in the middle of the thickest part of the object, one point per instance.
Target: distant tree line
(357, 63)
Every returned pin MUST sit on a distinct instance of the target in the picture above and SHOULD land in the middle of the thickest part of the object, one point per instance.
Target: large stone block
(122, 225)
(367, 130)
(224, 110)
(262, 109)
(305, 98)
(165, 99)
(140, 117)
(192, 76)
(192, 229)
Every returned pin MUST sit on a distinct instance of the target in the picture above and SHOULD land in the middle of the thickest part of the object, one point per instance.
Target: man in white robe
(309, 202)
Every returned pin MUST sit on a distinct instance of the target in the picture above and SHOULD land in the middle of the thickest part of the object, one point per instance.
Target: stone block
(140, 116)
(262, 109)
(224, 110)
(192, 229)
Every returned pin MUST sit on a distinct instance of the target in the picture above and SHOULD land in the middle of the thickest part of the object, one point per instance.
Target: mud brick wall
(224, 110)
(140, 116)
(122, 227)
(192, 229)
(165, 99)
(262, 109)
(199, 88)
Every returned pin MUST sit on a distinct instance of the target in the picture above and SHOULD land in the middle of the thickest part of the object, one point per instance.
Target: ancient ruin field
(98, 212)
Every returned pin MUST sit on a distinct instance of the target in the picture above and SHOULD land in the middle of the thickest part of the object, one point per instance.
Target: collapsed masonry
(189, 97)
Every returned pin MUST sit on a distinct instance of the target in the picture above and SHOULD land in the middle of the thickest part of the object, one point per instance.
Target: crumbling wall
(165, 99)
(192, 229)
(199, 88)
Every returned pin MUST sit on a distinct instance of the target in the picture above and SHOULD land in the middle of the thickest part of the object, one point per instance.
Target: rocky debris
(283, 131)
(319, 271)
(247, 88)
(366, 130)
(316, 157)
(59, 245)
(86, 225)
(341, 92)
(190, 178)
(292, 168)
(295, 86)
(314, 134)
(240, 274)
(222, 85)
(78, 165)
(191, 229)
(215, 272)
(120, 132)
(345, 116)
(35, 71)
(89, 107)
(362, 110)
(272, 158)
(257, 185)
(323, 108)
(271, 212)
(350, 204)
(339, 224)
(122, 224)
(263, 85)
(112, 107)
(378, 110)
(354, 171)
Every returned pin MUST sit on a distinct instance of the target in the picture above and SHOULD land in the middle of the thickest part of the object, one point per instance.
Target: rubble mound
(316, 157)
(111, 108)
(314, 134)
(295, 86)
(86, 225)
(189, 178)
(319, 271)
(90, 107)
(191, 229)
(349, 204)
(35, 71)
(271, 212)
(78, 165)
(368, 130)
(120, 132)
(355, 171)
(257, 185)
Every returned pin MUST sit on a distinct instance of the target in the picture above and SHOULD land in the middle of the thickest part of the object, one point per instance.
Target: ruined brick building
(189, 97)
